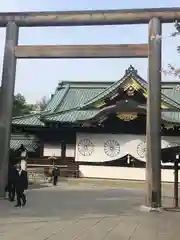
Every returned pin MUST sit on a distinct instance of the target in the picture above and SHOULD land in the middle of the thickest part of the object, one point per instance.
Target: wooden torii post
(152, 50)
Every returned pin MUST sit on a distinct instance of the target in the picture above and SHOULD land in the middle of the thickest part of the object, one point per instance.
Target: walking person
(23, 157)
(21, 184)
(11, 183)
(55, 174)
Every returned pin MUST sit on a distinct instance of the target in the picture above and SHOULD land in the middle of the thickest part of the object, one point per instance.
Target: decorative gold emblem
(131, 83)
(127, 116)
(130, 91)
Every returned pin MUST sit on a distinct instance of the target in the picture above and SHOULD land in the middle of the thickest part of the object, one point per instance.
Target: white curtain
(107, 147)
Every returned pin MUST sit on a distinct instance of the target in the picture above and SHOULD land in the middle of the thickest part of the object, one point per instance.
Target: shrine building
(98, 128)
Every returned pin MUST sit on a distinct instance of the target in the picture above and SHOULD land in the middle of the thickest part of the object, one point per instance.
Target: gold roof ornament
(131, 70)
(130, 91)
(127, 116)
(132, 83)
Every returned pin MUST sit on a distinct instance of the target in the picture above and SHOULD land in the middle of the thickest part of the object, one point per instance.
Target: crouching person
(21, 184)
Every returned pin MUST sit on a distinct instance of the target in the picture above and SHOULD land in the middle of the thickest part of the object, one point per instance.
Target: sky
(38, 78)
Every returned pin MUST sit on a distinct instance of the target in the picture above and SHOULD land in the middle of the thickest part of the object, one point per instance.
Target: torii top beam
(85, 18)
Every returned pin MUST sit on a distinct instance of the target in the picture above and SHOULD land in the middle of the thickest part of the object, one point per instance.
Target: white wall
(121, 173)
(52, 150)
(70, 150)
(55, 150)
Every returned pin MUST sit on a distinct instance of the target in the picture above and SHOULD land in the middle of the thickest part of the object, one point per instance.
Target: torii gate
(152, 50)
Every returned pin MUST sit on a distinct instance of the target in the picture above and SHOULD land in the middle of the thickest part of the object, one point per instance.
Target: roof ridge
(66, 89)
(65, 111)
(23, 136)
(162, 94)
(170, 82)
(62, 98)
(128, 73)
(59, 112)
(24, 116)
(145, 84)
(101, 93)
(81, 82)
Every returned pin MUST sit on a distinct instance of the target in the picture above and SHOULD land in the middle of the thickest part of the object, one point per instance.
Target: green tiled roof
(30, 142)
(71, 101)
(67, 96)
(173, 117)
(75, 93)
(28, 120)
(102, 94)
(75, 97)
(57, 98)
(72, 116)
(172, 90)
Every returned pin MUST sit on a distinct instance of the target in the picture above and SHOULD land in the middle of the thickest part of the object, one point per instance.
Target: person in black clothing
(11, 183)
(23, 156)
(21, 184)
(55, 174)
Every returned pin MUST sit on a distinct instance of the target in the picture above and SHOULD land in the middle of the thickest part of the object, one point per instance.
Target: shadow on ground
(57, 202)
(70, 202)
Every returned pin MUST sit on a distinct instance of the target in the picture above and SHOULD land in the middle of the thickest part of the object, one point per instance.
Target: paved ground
(84, 212)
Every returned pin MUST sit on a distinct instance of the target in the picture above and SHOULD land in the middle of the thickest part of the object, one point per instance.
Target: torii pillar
(153, 134)
(7, 96)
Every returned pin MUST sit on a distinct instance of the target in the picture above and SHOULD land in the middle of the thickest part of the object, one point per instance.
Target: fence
(36, 173)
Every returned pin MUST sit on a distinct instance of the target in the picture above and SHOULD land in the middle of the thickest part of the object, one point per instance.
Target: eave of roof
(80, 115)
(30, 142)
(70, 116)
(28, 120)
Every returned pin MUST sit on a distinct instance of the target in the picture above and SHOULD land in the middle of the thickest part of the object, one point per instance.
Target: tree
(171, 69)
(21, 107)
(177, 26)
(42, 103)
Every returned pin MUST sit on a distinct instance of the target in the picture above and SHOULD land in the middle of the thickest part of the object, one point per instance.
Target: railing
(36, 173)
(44, 165)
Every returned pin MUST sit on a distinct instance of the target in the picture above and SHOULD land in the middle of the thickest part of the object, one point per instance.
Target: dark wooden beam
(176, 182)
(153, 132)
(7, 93)
(83, 51)
(97, 17)
(63, 150)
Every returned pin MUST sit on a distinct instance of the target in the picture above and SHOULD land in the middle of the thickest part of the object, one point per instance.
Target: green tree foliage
(177, 26)
(172, 70)
(41, 105)
(21, 107)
